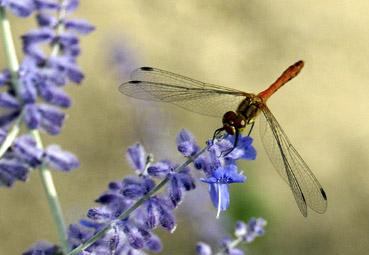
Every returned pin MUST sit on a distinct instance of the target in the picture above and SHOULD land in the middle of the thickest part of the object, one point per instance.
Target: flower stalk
(136, 205)
(45, 174)
(232, 245)
(52, 198)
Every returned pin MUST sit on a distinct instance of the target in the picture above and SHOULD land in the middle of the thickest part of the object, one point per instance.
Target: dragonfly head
(233, 122)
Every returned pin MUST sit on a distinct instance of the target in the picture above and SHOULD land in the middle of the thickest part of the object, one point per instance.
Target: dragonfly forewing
(158, 85)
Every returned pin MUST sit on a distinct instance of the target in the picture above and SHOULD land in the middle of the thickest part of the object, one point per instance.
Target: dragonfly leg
(252, 126)
(216, 133)
(225, 153)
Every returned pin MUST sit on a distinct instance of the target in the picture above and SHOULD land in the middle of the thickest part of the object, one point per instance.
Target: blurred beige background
(244, 45)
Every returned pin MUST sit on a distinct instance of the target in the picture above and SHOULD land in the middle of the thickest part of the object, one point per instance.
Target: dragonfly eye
(229, 117)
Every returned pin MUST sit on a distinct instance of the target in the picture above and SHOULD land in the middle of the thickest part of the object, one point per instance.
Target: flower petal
(59, 159)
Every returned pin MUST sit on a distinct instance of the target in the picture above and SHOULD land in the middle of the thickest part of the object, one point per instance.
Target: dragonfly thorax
(249, 108)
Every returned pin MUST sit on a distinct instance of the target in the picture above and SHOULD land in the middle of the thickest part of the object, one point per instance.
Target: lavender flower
(42, 76)
(203, 249)
(120, 58)
(25, 155)
(218, 185)
(123, 230)
(44, 248)
(248, 232)
(244, 232)
(20, 8)
(32, 94)
(220, 171)
(37, 97)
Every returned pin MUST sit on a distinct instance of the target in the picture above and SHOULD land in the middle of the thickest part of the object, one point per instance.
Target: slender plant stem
(46, 177)
(232, 245)
(10, 136)
(52, 198)
(13, 64)
(11, 54)
(137, 204)
(45, 174)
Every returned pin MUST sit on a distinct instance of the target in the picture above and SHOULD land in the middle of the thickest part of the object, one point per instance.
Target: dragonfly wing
(160, 76)
(158, 85)
(289, 164)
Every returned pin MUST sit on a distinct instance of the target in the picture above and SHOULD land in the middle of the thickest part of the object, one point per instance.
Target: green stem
(52, 198)
(9, 45)
(10, 136)
(13, 64)
(232, 245)
(137, 204)
(46, 177)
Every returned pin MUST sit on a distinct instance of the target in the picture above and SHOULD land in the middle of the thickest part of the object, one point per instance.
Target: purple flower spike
(79, 25)
(154, 244)
(67, 39)
(31, 116)
(6, 119)
(8, 101)
(13, 167)
(75, 74)
(44, 35)
(255, 228)
(203, 249)
(71, 5)
(136, 157)
(59, 159)
(43, 248)
(136, 187)
(235, 251)
(54, 95)
(151, 218)
(166, 219)
(174, 191)
(67, 64)
(99, 214)
(160, 169)
(185, 179)
(243, 150)
(5, 77)
(27, 90)
(12, 170)
(45, 20)
(240, 229)
(52, 118)
(46, 5)
(20, 8)
(245, 232)
(136, 237)
(218, 185)
(186, 143)
(3, 134)
(24, 148)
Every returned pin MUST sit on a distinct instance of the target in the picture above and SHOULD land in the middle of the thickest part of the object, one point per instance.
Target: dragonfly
(239, 109)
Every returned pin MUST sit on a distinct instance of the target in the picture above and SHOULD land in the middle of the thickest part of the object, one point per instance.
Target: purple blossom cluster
(244, 232)
(24, 154)
(132, 234)
(34, 94)
(129, 211)
(221, 169)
